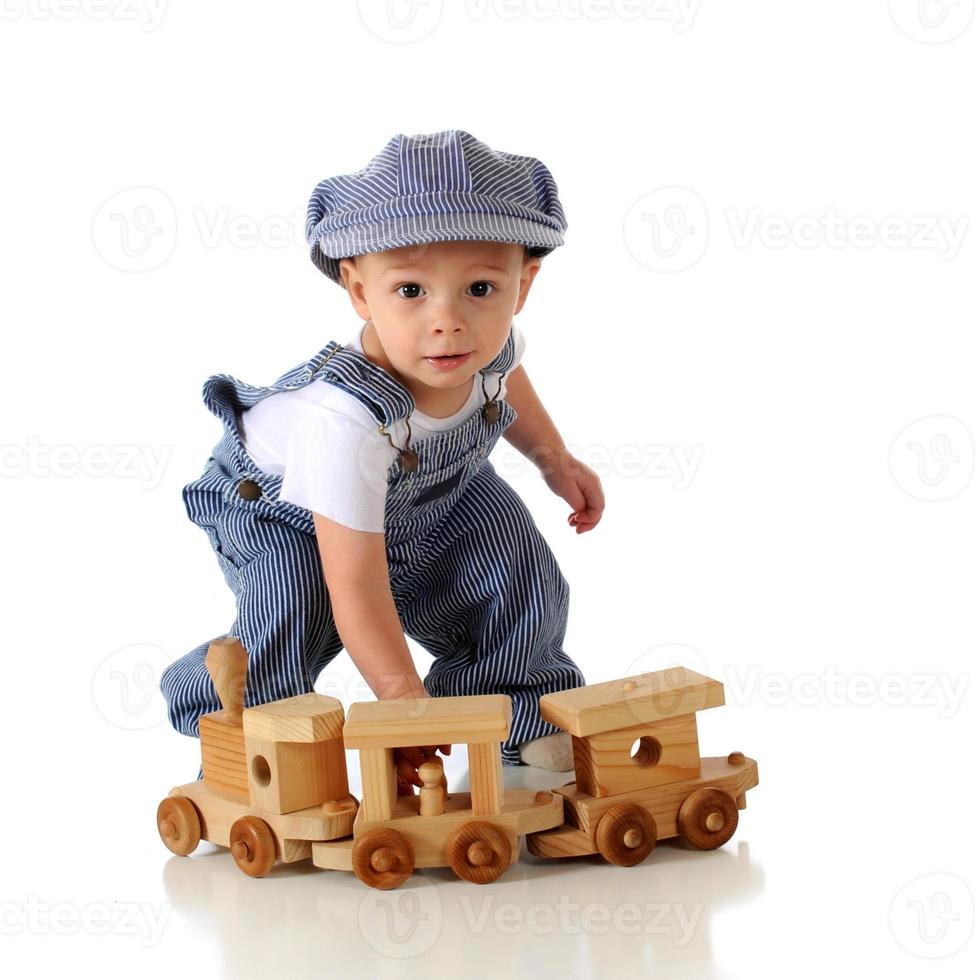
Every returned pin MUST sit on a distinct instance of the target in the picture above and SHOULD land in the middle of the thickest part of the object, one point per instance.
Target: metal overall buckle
(491, 407)
(408, 458)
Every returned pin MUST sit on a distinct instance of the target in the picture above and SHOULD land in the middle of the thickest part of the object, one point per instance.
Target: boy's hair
(530, 252)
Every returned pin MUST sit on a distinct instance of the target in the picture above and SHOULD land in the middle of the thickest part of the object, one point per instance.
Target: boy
(349, 513)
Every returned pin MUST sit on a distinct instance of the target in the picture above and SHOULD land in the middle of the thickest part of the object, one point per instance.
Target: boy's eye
(481, 289)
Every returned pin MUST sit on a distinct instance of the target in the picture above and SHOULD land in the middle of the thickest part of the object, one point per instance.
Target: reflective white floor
(872, 877)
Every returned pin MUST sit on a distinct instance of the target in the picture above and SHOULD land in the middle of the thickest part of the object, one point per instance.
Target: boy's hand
(407, 762)
(578, 485)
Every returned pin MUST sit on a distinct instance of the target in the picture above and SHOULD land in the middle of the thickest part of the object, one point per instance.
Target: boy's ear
(528, 272)
(347, 269)
(354, 285)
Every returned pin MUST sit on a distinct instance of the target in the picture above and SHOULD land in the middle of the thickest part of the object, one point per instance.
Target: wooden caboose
(639, 775)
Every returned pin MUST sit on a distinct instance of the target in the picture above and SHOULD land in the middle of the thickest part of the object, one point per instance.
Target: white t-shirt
(328, 450)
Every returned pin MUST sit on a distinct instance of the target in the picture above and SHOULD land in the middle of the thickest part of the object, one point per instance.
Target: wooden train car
(639, 775)
(476, 833)
(275, 779)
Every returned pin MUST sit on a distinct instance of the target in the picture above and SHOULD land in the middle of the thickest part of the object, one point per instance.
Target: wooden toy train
(275, 779)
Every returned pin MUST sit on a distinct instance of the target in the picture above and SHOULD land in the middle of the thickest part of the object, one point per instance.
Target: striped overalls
(473, 580)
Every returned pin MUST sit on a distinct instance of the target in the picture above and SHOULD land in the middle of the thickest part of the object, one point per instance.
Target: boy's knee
(183, 695)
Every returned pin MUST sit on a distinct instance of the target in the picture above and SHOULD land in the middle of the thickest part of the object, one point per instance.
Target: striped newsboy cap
(434, 187)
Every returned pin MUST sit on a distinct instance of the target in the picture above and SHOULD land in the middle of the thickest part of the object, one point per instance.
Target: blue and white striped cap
(434, 187)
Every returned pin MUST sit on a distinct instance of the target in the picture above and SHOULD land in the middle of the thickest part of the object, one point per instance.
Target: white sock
(552, 752)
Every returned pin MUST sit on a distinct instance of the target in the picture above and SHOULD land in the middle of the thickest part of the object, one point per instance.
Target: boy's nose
(447, 322)
(446, 313)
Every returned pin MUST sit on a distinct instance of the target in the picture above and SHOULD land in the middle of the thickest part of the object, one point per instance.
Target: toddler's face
(441, 298)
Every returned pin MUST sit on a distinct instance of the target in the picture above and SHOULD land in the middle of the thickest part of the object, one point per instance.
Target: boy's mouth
(448, 360)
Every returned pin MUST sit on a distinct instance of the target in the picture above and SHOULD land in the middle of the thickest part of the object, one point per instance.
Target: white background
(760, 332)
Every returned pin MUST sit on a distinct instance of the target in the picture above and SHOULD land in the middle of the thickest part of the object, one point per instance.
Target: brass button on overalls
(249, 490)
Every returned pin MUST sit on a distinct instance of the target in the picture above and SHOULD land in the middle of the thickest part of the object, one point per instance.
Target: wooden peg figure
(432, 800)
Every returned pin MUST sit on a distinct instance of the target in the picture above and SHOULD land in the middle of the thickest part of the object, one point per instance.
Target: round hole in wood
(261, 772)
(646, 751)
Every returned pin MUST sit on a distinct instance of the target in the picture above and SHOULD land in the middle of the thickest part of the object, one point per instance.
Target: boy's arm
(532, 433)
(355, 568)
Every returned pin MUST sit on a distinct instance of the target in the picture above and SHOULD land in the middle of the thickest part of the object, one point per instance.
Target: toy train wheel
(479, 852)
(383, 858)
(253, 846)
(707, 818)
(626, 834)
(179, 824)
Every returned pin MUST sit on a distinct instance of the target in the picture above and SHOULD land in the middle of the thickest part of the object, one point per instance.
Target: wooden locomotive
(275, 779)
